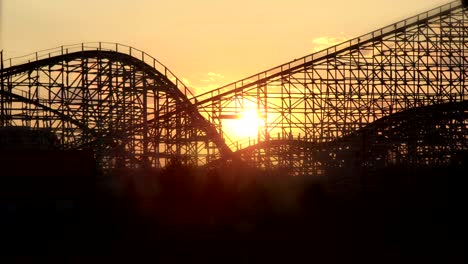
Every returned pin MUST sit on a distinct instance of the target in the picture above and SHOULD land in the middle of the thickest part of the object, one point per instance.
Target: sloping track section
(428, 136)
(111, 98)
(317, 99)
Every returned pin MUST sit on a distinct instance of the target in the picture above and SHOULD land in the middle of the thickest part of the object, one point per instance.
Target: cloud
(213, 77)
(185, 81)
(322, 43)
(201, 83)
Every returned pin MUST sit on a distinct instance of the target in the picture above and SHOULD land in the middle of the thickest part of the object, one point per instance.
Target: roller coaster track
(134, 112)
(298, 65)
(418, 136)
(170, 92)
(325, 96)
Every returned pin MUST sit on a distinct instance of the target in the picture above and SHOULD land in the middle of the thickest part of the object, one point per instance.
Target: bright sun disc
(246, 126)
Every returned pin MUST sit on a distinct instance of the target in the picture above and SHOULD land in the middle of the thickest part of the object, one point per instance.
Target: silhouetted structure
(394, 96)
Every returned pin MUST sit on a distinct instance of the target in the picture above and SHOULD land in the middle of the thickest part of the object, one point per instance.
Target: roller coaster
(396, 95)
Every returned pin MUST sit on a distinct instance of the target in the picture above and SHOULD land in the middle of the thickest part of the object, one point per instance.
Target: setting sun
(245, 126)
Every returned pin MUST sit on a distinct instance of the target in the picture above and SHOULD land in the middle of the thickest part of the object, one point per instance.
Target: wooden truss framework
(135, 113)
(96, 96)
(325, 96)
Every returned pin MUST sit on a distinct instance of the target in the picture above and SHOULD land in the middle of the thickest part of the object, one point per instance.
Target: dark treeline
(238, 214)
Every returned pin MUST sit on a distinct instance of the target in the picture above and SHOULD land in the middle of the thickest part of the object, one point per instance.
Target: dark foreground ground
(236, 215)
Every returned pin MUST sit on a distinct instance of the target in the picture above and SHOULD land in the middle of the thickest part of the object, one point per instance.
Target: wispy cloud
(322, 43)
(200, 83)
(213, 77)
(186, 81)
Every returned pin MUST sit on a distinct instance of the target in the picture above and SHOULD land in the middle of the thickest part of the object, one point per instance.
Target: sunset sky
(207, 43)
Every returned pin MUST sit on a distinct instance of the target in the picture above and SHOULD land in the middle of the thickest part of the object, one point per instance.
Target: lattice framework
(134, 112)
(109, 101)
(328, 95)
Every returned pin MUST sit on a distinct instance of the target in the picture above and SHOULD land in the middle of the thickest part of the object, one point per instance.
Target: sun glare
(245, 126)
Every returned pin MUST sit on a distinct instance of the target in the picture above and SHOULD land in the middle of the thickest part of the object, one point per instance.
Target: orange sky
(207, 43)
